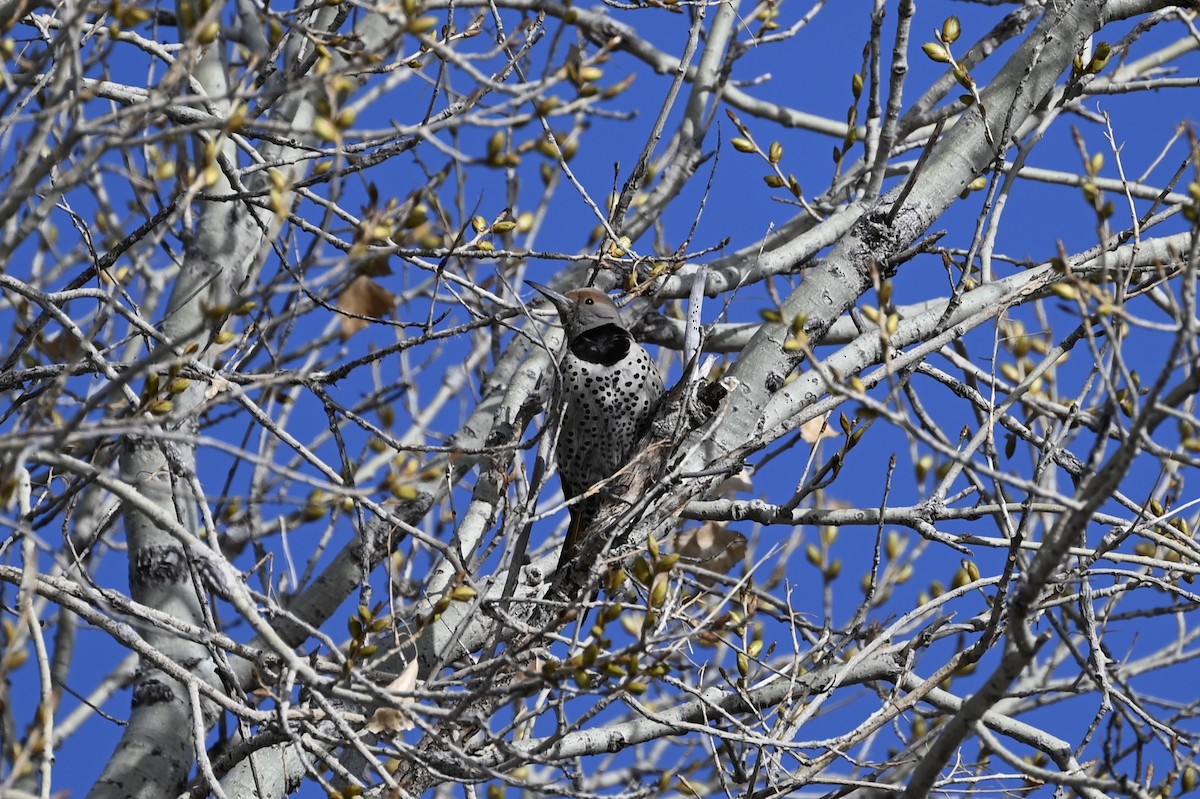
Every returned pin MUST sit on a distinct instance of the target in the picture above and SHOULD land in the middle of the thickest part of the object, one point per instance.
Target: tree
(914, 517)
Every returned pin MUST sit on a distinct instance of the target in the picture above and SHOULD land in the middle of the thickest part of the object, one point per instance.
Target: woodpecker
(609, 389)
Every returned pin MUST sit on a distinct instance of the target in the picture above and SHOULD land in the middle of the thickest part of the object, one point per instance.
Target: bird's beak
(560, 301)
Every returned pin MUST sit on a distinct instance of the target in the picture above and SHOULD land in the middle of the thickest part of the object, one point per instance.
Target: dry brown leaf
(215, 386)
(713, 546)
(814, 430)
(63, 348)
(363, 298)
(393, 719)
(742, 482)
(389, 719)
(406, 683)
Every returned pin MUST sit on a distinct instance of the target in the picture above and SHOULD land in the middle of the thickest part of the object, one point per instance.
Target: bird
(610, 387)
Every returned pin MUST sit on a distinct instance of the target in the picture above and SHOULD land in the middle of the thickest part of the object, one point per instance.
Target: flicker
(609, 390)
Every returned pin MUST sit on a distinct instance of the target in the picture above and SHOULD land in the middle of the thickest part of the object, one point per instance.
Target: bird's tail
(582, 514)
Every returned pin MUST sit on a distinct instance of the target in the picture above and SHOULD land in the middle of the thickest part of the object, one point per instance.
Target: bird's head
(582, 310)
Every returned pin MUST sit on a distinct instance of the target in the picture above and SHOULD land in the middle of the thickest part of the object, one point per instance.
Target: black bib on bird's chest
(605, 345)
